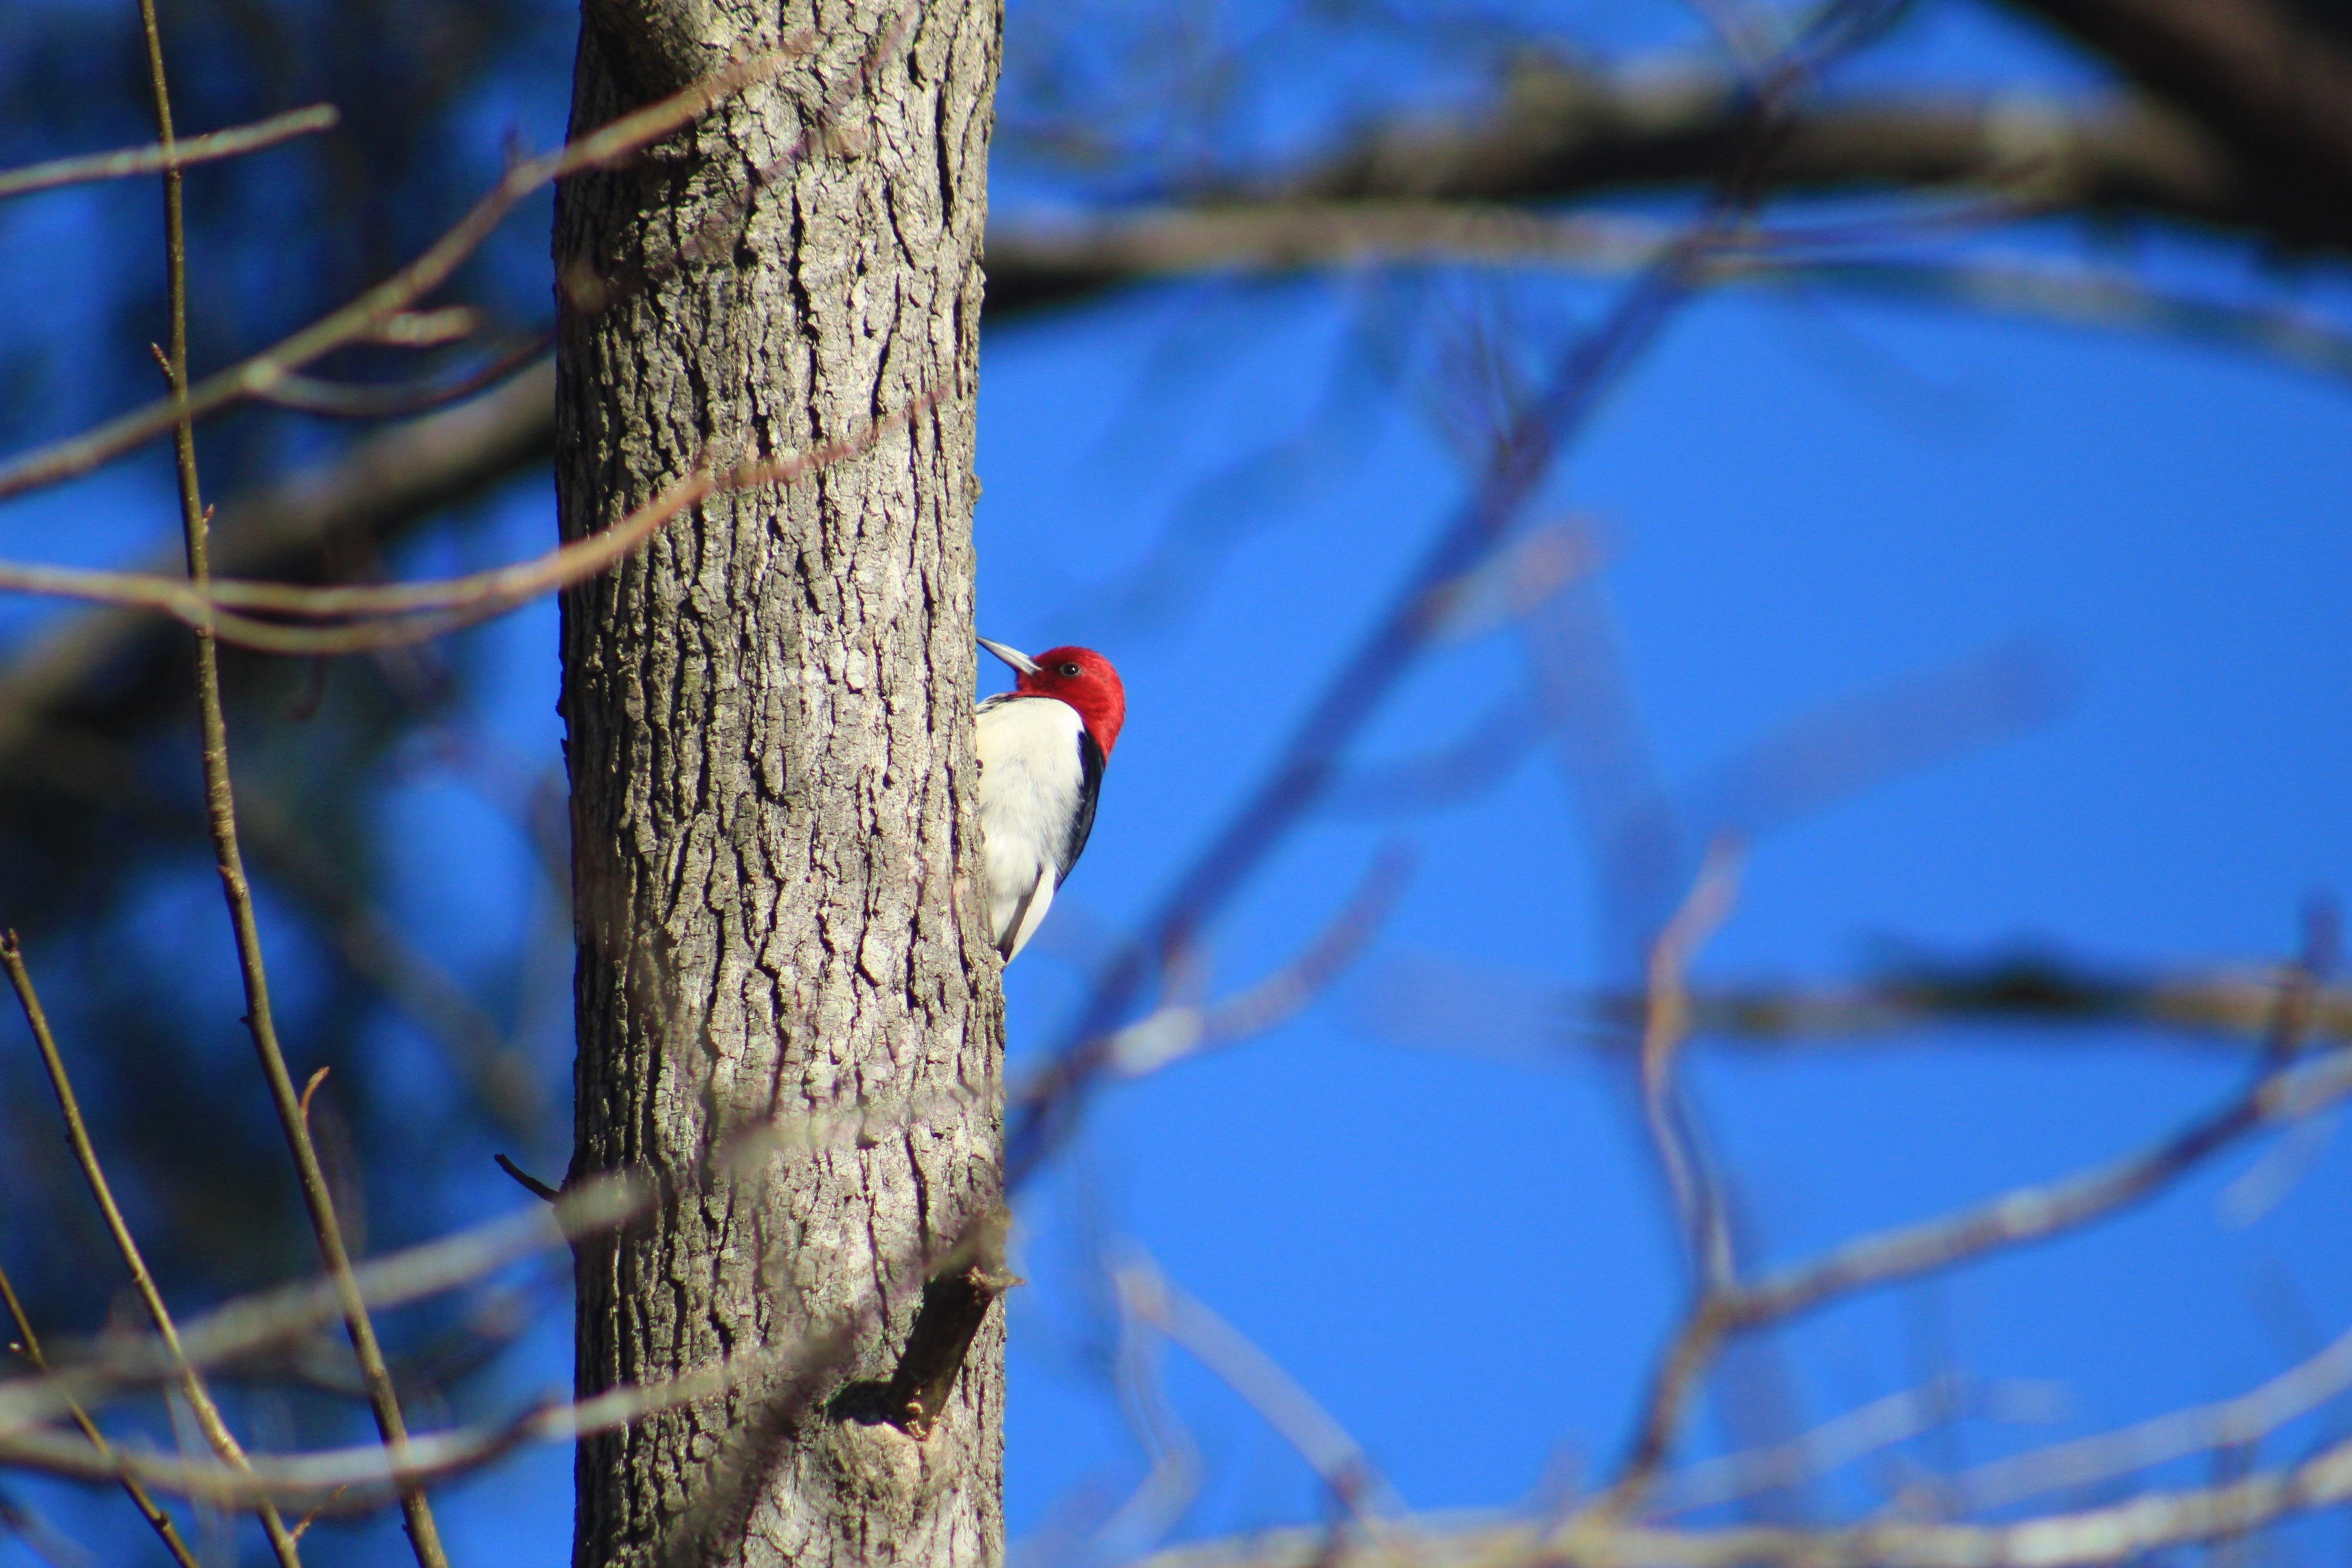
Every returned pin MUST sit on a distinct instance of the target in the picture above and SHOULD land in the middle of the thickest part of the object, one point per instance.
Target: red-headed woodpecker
(1042, 749)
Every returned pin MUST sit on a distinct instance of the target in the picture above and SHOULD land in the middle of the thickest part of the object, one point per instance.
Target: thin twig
(1705, 1229)
(1884, 1422)
(1293, 235)
(387, 614)
(586, 1208)
(1183, 1028)
(365, 317)
(799, 1368)
(1355, 1483)
(377, 490)
(378, 950)
(220, 804)
(2132, 1531)
(1168, 1488)
(2026, 1215)
(192, 1384)
(2032, 1214)
(2228, 1423)
(343, 400)
(169, 156)
(158, 1519)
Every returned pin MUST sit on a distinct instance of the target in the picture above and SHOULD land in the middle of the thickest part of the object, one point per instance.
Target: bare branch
(2230, 1010)
(220, 808)
(2016, 1219)
(2263, 77)
(1284, 236)
(1174, 1478)
(1438, 1003)
(192, 1384)
(411, 611)
(585, 1208)
(382, 487)
(955, 1304)
(373, 947)
(1893, 1419)
(1560, 132)
(1698, 1202)
(2226, 1424)
(367, 315)
(1345, 1469)
(158, 1519)
(1310, 762)
(527, 1182)
(2122, 1532)
(341, 400)
(1180, 1029)
(2034, 1214)
(159, 157)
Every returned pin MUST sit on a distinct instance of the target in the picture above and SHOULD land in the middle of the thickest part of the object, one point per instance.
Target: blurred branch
(2267, 78)
(44, 1543)
(2022, 1215)
(1484, 757)
(239, 1328)
(79, 672)
(1894, 1418)
(792, 1372)
(1560, 133)
(1345, 1469)
(2227, 1424)
(2024, 990)
(1180, 1029)
(1168, 1487)
(352, 1479)
(2121, 1532)
(343, 400)
(387, 614)
(1439, 1004)
(158, 1519)
(1309, 764)
(156, 158)
(365, 317)
(497, 1072)
(1386, 198)
(2073, 296)
(1287, 236)
(1706, 1228)
(192, 1384)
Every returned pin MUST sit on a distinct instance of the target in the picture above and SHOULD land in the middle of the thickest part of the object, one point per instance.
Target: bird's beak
(1013, 656)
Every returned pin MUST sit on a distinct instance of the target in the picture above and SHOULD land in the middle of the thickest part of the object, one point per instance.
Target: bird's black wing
(1082, 821)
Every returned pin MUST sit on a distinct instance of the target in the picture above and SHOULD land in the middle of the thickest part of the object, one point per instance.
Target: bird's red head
(1079, 676)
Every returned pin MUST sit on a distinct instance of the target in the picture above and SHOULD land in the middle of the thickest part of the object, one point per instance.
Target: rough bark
(769, 716)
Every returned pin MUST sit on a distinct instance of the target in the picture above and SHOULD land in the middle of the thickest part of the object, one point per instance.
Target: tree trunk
(769, 738)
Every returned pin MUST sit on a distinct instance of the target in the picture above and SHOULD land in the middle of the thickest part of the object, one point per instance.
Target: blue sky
(1456, 1243)
(1428, 1238)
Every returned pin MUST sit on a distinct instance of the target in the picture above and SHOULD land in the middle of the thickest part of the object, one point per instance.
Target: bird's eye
(1069, 672)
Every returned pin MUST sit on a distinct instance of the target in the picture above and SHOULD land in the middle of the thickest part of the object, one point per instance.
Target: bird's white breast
(1030, 780)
